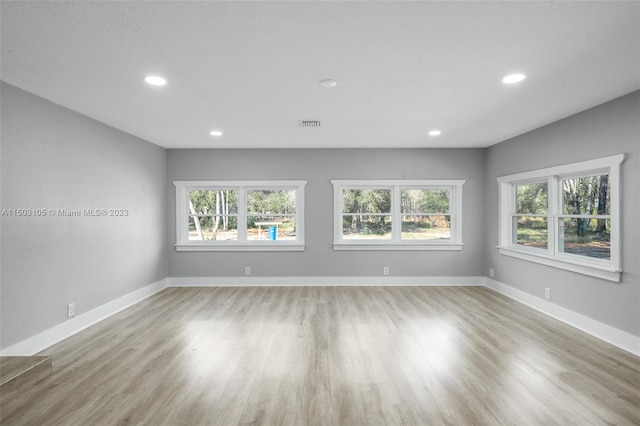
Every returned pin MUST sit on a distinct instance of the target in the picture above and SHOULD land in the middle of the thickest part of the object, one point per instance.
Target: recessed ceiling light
(328, 83)
(513, 78)
(434, 132)
(215, 133)
(155, 80)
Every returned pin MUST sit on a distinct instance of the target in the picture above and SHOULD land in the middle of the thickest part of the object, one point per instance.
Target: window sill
(584, 268)
(241, 247)
(397, 246)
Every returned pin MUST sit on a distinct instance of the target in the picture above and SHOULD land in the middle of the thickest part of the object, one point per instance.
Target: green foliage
(581, 196)
(271, 202)
(364, 209)
(251, 221)
(425, 201)
(204, 202)
(214, 211)
(587, 196)
(367, 225)
(532, 199)
(366, 201)
(360, 203)
(214, 202)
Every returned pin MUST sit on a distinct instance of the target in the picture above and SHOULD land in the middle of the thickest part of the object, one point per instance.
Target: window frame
(183, 189)
(610, 269)
(515, 214)
(396, 242)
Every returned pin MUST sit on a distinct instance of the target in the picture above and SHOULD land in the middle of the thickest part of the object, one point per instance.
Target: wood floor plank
(331, 356)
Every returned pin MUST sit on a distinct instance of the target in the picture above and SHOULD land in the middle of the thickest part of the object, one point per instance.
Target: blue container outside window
(272, 233)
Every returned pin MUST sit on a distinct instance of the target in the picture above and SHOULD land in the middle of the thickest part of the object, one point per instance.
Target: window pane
(213, 202)
(532, 199)
(588, 195)
(219, 228)
(531, 231)
(585, 237)
(271, 228)
(425, 201)
(431, 227)
(356, 227)
(271, 202)
(366, 201)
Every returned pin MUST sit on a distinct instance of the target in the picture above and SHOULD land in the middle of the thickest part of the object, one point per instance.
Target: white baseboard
(609, 334)
(250, 281)
(55, 334)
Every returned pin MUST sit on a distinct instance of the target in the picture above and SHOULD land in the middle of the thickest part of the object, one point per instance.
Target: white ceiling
(251, 69)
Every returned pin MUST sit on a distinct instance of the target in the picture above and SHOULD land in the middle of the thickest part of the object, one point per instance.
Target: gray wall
(54, 158)
(319, 167)
(611, 128)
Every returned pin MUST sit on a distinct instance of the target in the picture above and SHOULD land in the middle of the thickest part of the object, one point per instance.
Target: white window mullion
(453, 210)
(513, 213)
(396, 217)
(554, 209)
(242, 214)
(455, 213)
(337, 214)
(300, 213)
(182, 214)
(505, 217)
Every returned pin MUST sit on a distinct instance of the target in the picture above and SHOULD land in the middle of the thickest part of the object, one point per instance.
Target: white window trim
(182, 214)
(455, 186)
(605, 269)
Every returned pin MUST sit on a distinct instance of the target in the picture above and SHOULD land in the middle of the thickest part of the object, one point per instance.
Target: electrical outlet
(247, 270)
(385, 270)
(547, 293)
(71, 310)
(492, 273)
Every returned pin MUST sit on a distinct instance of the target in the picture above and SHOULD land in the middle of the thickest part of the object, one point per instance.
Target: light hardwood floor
(332, 356)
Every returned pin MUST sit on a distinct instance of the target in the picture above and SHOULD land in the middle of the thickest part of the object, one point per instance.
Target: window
(397, 215)
(531, 218)
(241, 215)
(567, 217)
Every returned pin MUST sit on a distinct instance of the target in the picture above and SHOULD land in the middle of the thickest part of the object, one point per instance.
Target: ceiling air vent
(309, 123)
